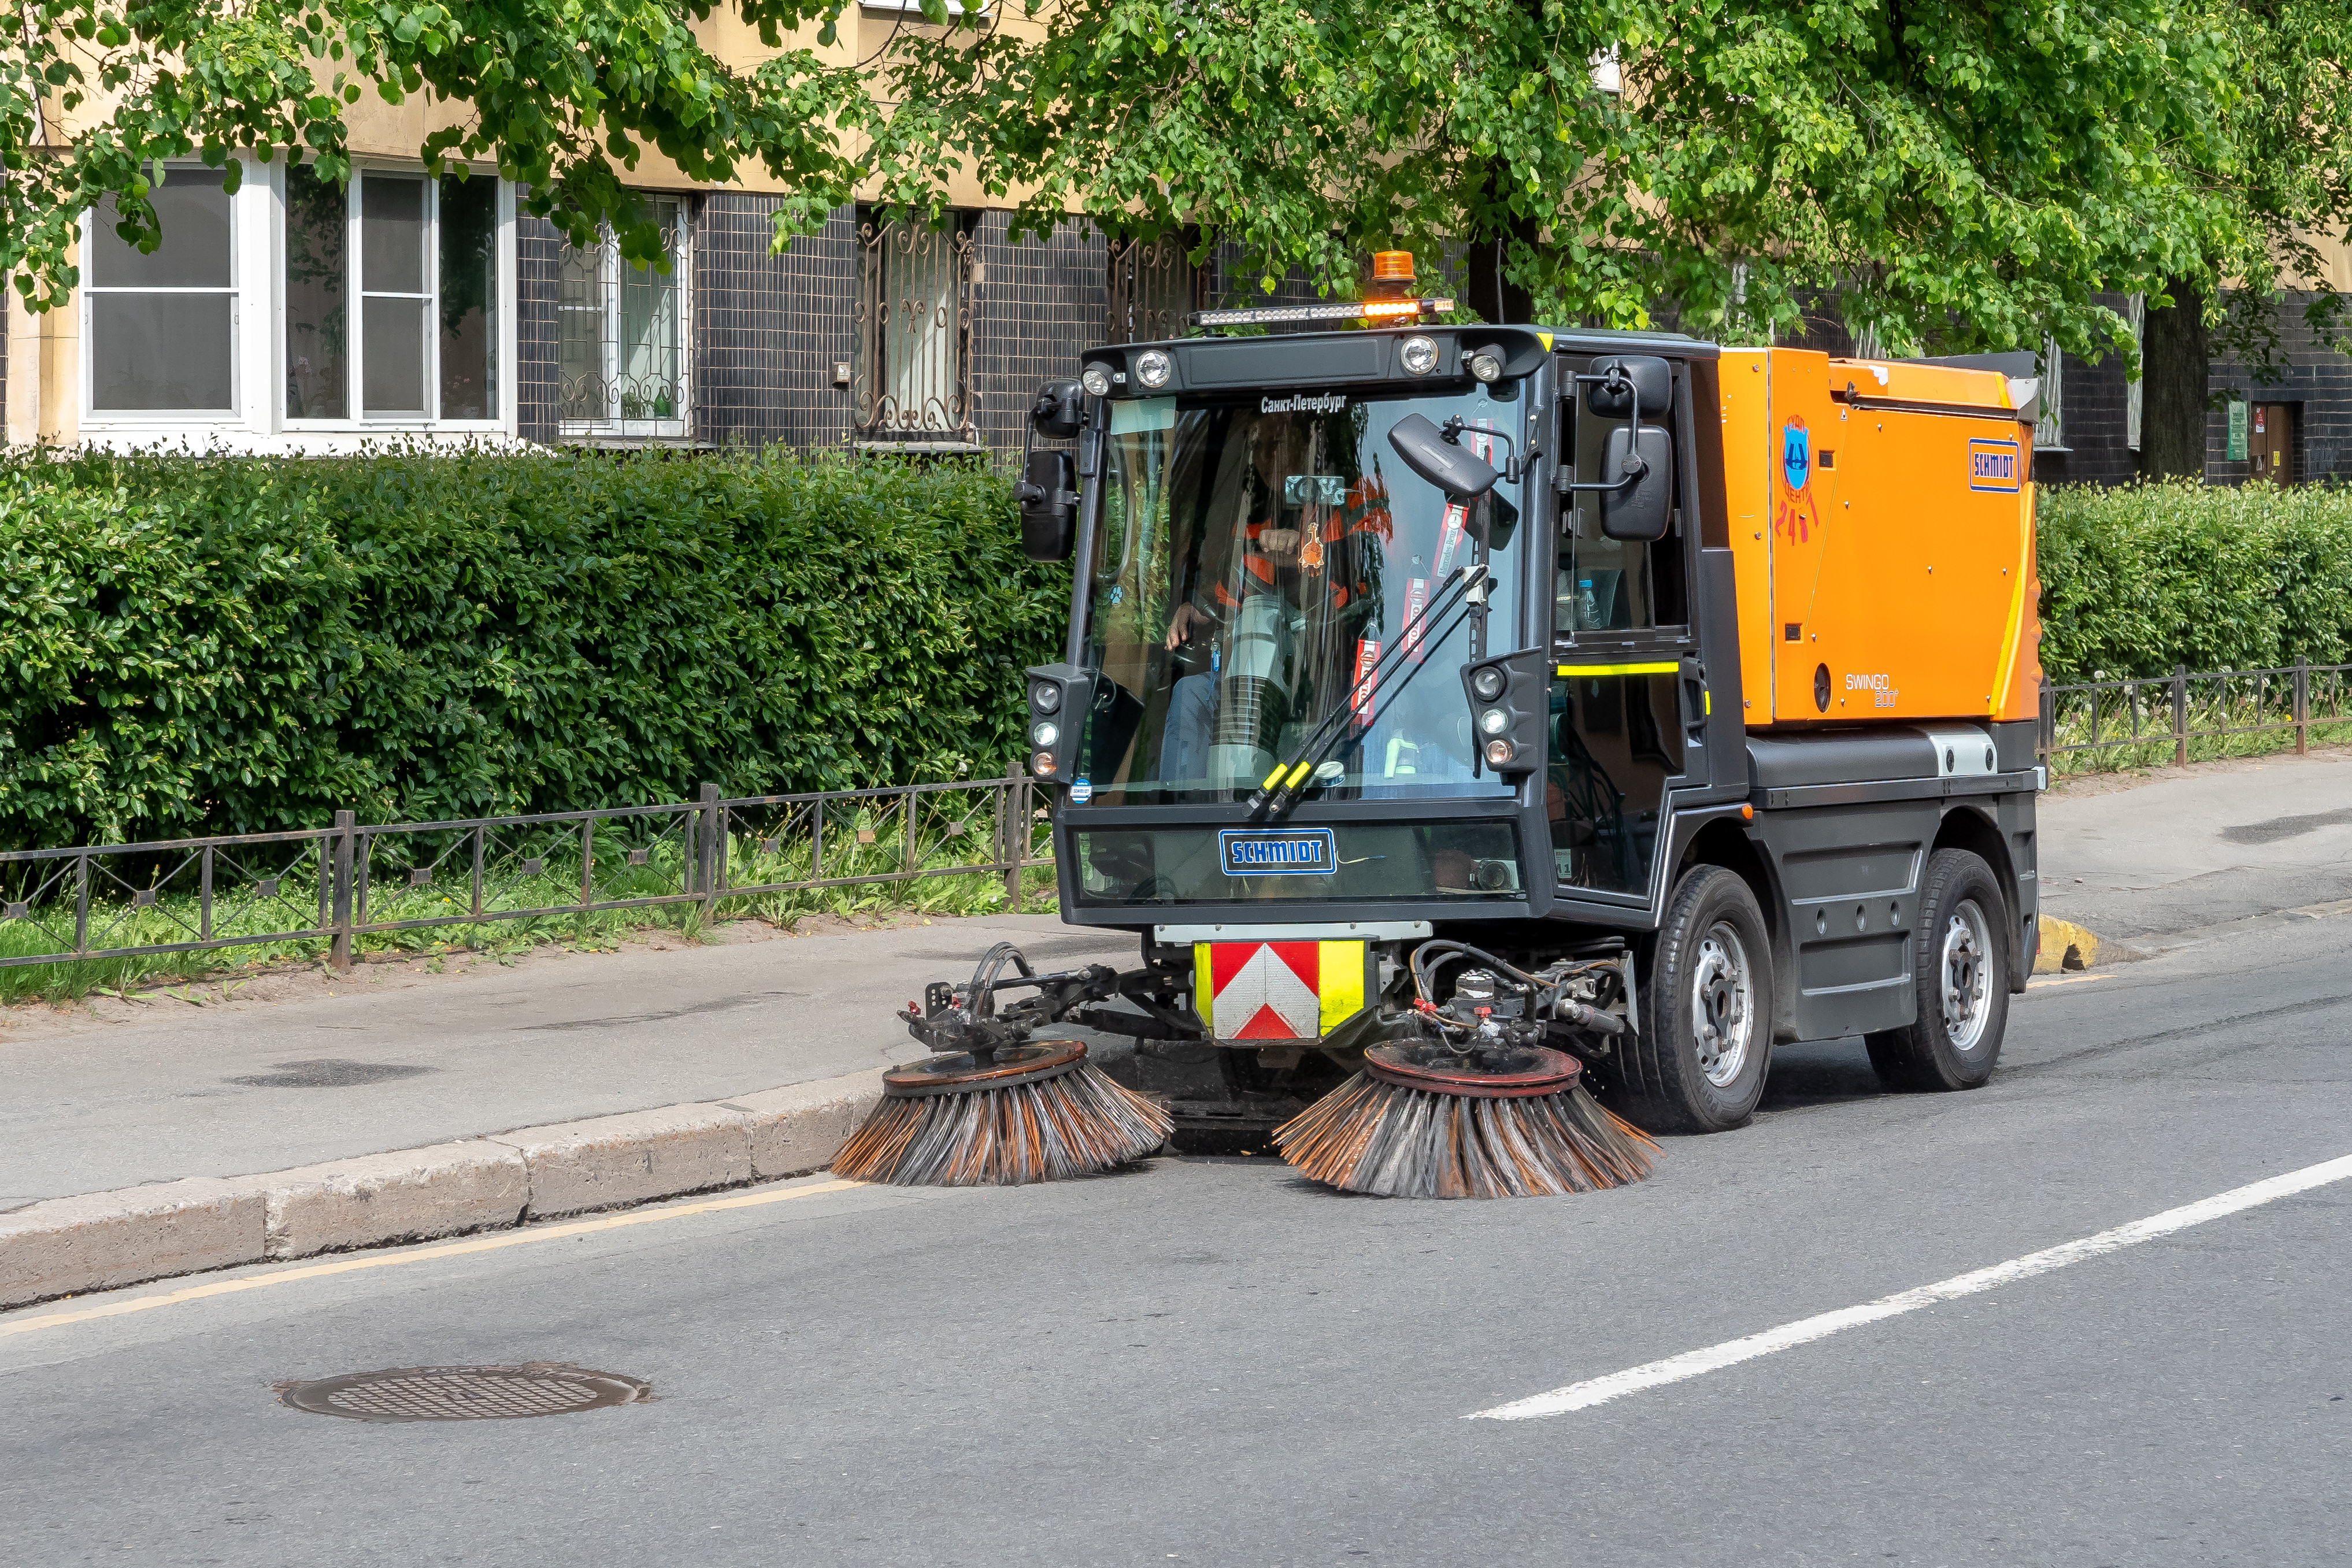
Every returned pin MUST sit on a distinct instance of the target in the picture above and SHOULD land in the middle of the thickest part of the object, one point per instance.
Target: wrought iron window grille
(624, 336)
(1153, 288)
(918, 334)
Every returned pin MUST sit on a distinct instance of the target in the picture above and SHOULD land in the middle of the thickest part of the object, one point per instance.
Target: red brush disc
(1513, 1074)
(959, 1071)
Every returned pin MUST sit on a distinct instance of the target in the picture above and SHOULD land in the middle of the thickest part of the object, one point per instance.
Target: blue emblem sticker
(1298, 851)
(1995, 465)
(1081, 792)
(1796, 453)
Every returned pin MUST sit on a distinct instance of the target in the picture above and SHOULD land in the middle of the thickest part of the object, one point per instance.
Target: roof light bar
(1368, 309)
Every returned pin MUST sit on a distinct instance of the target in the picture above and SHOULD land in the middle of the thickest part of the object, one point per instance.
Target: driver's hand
(1180, 624)
(1279, 541)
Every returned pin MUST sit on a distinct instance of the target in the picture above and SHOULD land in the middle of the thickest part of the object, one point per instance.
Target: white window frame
(612, 426)
(241, 206)
(360, 420)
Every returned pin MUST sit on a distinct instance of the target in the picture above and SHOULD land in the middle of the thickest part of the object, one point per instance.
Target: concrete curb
(98, 1241)
(2066, 945)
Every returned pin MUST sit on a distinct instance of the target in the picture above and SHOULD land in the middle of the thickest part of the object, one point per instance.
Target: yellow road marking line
(2064, 980)
(419, 1255)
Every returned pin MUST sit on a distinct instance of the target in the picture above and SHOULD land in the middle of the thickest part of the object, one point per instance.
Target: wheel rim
(1723, 1019)
(1965, 975)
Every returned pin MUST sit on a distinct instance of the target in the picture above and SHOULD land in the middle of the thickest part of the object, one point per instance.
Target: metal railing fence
(2155, 714)
(334, 885)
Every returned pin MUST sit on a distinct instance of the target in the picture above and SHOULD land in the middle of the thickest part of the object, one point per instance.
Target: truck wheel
(1960, 978)
(1698, 1063)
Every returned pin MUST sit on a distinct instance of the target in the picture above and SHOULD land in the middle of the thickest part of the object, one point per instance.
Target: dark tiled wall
(2319, 380)
(2097, 431)
(770, 328)
(1036, 308)
(537, 375)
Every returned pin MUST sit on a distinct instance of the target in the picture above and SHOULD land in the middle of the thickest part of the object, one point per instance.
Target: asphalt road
(1210, 1361)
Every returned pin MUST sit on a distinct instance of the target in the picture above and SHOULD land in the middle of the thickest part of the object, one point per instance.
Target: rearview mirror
(1638, 510)
(1631, 376)
(1048, 493)
(1058, 410)
(1427, 452)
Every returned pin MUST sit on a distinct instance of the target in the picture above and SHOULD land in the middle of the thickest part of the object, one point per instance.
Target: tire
(1698, 1062)
(1959, 978)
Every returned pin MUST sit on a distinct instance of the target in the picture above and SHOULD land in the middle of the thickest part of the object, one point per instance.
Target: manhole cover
(327, 1072)
(464, 1393)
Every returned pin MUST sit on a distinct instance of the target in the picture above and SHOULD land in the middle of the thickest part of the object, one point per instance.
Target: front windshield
(1255, 558)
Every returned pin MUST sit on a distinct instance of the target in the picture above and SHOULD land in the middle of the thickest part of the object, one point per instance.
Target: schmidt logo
(1995, 465)
(1302, 852)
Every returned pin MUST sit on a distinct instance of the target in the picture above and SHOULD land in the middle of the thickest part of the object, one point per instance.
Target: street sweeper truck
(1499, 738)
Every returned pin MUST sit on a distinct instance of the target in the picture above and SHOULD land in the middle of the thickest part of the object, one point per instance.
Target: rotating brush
(999, 1110)
(1465, 1104)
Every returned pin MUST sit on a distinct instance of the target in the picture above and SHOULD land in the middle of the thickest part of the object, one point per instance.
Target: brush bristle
(1375, 1137)
(1075, 1125)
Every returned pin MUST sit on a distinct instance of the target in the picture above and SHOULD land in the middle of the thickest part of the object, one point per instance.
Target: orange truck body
(1881, 517)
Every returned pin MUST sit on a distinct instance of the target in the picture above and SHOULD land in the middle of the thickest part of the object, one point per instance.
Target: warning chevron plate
(1276, 991)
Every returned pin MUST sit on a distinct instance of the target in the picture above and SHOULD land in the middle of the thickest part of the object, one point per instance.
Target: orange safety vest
(1366, 511)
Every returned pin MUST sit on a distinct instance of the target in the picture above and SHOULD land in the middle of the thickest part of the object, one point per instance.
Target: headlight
(1096, 379)
(1497, 752)
(1487, 682)
(1045, 733)
(1152, 368)
(1045, 696)
(1042, 764)
(1494, 721)
(1483, 366)
(1419, 355)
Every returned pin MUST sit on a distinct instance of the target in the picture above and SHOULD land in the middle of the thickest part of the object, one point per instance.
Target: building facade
(294, 316)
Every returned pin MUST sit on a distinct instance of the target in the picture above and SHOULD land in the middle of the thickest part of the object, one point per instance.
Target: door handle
(1696, 706)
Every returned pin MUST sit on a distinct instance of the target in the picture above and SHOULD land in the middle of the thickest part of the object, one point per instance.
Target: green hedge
(2140, 578)
(238, 644)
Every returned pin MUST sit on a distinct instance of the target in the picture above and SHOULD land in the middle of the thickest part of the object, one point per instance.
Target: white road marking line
(415, 1255)
(2064, 980)
(1692, 1364)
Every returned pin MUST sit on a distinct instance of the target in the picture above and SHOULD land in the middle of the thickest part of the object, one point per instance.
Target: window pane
(649, 329)
(317, 347)
(580, 335)
(193, 208)
(394, 355)
(392, 234)
(160, 351)
(470, 292)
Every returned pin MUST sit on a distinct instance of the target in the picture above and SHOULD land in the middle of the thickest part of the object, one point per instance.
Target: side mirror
(1638, 510)
(1058, 410)
(1048, 493)
(1427, 452)
(1633, 377)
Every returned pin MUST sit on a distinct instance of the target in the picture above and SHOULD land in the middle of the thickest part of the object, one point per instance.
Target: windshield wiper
(1283, 787)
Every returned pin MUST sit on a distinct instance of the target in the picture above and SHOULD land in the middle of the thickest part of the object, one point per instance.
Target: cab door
(1627, 694)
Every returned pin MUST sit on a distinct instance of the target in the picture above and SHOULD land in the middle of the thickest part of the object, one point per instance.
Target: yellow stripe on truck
(1298, 774)
(1203, 998)
(1339, 977)
(1273, 778)
(1576, 671)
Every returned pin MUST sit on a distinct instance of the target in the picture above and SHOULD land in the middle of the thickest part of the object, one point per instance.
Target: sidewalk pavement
(409, 1105)
(2199, 846)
